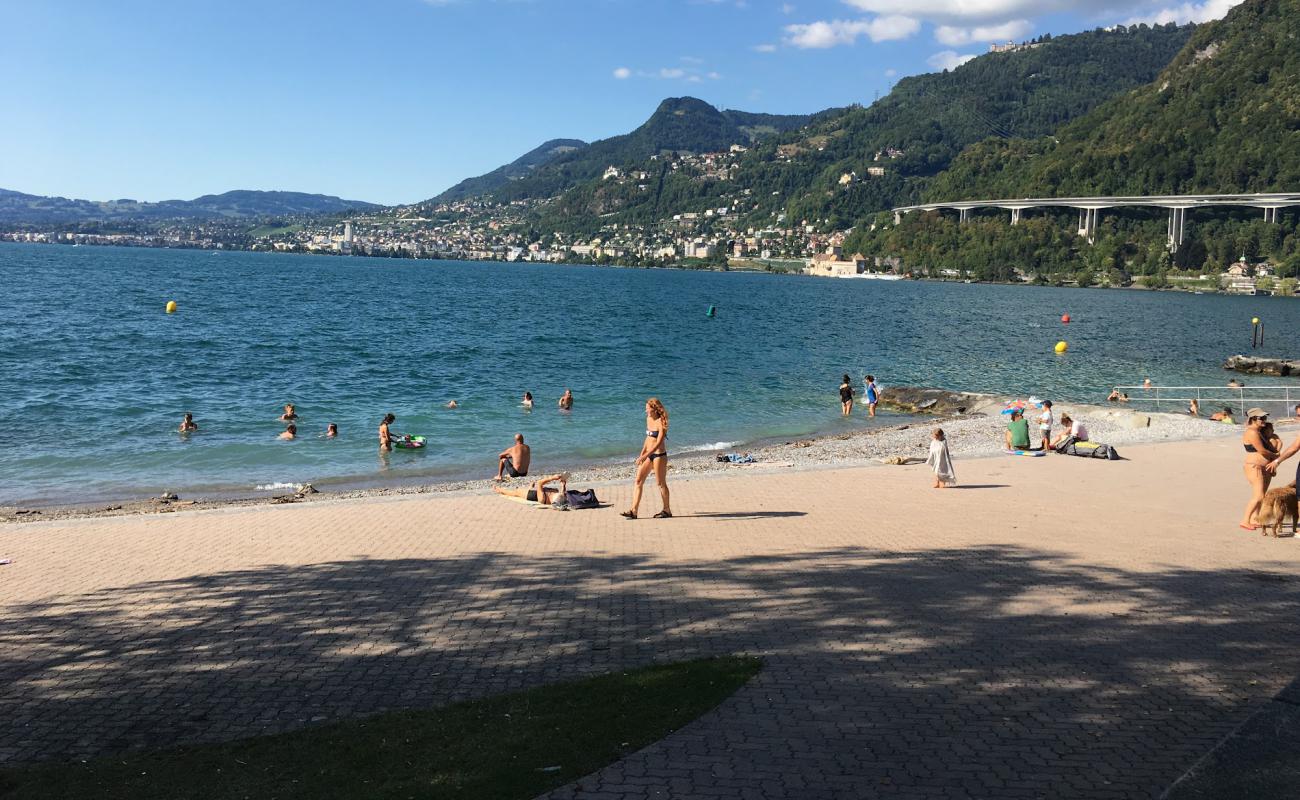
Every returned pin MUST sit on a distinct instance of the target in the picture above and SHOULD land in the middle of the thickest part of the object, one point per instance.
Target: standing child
(940, 460)
(1045, 425)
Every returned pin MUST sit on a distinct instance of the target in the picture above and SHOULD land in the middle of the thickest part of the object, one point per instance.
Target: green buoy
(713, 311)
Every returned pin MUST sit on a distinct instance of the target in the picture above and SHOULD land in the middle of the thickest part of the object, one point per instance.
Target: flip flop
(1248, 527)
(627, 514)
(664, 515)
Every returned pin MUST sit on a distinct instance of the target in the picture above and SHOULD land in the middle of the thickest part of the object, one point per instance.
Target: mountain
(1223, 117)
(683, 124)
(19, 208)
(519, 168)
(845, 164)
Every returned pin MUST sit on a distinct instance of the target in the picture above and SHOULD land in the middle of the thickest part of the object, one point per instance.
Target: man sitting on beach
(1017, 436)
(514, 461)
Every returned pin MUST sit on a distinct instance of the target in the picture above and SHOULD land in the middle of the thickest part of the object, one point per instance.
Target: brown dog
(1279, 504)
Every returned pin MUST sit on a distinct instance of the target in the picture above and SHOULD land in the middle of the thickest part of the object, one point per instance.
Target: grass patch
(503, 748)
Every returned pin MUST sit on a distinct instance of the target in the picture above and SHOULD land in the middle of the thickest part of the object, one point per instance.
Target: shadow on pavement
(979, 669)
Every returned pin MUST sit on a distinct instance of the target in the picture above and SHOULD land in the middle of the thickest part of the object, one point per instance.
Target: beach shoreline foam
(973, 424)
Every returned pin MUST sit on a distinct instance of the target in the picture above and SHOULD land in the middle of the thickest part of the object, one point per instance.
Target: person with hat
(1261, 465)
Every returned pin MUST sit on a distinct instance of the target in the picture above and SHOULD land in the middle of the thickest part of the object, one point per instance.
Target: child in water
(290, 432)
(331, 431)
(188, 424)
(940, 460)
(289, 414)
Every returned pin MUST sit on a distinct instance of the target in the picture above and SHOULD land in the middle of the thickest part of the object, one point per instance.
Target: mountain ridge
(22, 208)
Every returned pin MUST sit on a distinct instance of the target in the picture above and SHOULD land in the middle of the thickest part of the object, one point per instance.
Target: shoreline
(973, 432)
(676, 266)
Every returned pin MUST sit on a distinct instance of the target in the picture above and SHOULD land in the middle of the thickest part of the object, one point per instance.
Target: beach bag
(582, 498)
(1089, 450)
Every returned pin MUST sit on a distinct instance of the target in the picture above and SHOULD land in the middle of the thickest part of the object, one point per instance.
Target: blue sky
(394, 100)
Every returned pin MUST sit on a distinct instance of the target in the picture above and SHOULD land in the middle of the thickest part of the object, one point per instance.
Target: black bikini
(658, 454)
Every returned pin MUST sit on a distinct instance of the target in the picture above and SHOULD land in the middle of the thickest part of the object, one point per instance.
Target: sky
(392, 101)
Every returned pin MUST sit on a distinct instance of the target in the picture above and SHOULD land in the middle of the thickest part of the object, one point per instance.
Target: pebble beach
(975, 432)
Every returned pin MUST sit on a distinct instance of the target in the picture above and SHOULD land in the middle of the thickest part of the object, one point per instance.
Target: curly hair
(657, 409)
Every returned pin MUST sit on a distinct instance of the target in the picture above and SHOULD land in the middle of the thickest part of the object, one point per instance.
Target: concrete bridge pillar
(963, 214)
(1015, 216)
(1177, 228)
(898, 218)
(1270, 215)
(1088, 218)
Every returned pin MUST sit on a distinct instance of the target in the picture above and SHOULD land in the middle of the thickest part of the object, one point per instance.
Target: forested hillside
(1223, 117)
(909, 136)
(519, 168)
(679, 124)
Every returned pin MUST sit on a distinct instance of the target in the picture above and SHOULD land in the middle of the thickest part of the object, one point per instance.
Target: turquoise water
(95, 376)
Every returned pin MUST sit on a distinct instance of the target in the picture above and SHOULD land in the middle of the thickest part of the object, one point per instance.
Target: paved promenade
(1060, 628)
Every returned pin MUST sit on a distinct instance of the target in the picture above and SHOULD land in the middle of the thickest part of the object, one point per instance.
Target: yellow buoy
(1254, 321)
(171, 306)
(1061, 347)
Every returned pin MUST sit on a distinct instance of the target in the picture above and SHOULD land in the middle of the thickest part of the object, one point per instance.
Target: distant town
(478, 230)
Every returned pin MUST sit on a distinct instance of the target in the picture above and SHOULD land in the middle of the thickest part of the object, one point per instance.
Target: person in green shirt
(1018, 431)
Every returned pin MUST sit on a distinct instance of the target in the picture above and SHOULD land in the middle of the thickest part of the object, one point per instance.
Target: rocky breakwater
(937, 402)
(1252, 365)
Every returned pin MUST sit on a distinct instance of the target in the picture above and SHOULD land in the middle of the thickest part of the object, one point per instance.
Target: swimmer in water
(528, 401)
(452, 404)
(566, 401)
(290, 432)
(385, 435)
(331, 431)
(289, 414)
(188, 424)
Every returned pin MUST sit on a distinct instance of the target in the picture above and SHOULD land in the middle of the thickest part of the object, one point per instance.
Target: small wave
(271, 487)
(706, 447)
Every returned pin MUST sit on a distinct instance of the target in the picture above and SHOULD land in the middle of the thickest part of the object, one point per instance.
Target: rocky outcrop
(922, 400)
(1263, 366)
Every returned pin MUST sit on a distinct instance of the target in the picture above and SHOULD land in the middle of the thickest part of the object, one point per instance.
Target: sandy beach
(1071, 627)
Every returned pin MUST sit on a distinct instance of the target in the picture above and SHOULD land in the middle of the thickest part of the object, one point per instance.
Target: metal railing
(1277, 400)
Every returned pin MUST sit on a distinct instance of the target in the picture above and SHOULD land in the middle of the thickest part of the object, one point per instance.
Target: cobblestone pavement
(1059, 628)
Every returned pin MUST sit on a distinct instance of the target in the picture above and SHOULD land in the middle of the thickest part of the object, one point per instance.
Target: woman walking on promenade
(654, 456)
(1261, 463)
(846, 396)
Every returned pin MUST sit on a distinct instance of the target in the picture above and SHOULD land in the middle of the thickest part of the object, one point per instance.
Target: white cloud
(671, 73)
(890, 73)
(622, 73)
(1007, 31)
(964, 13)
(1187, 12)
(957, 10)
(787, 8)
(764, 48)
(833, 33)
(948, 59)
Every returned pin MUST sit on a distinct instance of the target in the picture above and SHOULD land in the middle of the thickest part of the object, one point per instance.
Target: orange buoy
(1065, 318)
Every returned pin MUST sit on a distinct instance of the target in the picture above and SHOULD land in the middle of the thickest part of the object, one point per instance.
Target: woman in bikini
(654, 456)
(539, 491)
(1261, 463)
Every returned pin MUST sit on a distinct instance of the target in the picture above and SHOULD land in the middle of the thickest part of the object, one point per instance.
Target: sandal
(1248, 527)
(664, 515)
(627, 514)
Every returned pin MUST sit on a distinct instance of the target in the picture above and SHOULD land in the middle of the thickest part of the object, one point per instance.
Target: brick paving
(1066, 629)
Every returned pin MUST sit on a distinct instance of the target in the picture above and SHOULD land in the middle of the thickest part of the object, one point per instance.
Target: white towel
(941, 462)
